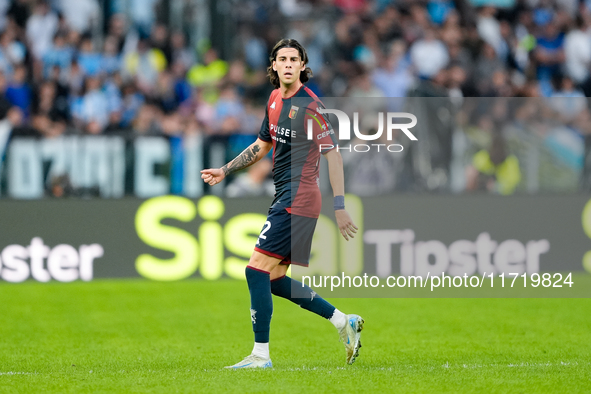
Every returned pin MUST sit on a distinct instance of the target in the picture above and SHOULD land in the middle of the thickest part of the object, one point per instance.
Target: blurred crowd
(58, 76)
(62, 73)
(536, 48)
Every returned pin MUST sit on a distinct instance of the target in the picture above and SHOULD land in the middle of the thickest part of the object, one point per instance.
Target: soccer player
(286, 237)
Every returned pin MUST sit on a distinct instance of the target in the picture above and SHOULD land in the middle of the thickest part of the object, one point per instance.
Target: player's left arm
(337, 180)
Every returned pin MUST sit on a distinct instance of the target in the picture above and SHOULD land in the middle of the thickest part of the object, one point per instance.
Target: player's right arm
(248, 157)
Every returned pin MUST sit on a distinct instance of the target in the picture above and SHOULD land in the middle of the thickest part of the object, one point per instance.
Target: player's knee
(262, 262)
(257, 262)
(279, 272)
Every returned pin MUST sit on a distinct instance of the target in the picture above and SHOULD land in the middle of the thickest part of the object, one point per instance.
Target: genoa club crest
(293, 113)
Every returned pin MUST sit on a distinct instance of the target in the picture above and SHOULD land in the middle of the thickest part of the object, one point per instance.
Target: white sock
(261, 350)
(338, 319)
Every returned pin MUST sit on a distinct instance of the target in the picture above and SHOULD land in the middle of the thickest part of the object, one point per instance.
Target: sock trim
(258, 269)
(276, 279)
(261, 349)
(338, 319)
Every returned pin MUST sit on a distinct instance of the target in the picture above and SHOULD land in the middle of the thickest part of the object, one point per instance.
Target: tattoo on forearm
(246, 158)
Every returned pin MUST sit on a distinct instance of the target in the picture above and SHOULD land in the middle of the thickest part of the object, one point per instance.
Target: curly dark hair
(288, 43)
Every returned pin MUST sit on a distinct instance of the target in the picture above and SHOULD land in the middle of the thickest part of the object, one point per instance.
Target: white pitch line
(18, 373)
(447, 365)
(520, 365)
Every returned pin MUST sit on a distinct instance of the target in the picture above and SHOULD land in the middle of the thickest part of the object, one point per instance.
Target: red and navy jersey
(296, 158)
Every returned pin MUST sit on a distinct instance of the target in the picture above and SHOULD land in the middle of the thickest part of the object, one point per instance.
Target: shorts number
(266, 228)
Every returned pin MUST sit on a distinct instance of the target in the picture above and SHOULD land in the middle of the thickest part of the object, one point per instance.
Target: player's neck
(289, 90)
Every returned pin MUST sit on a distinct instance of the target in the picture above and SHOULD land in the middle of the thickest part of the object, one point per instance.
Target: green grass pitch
(126, 336)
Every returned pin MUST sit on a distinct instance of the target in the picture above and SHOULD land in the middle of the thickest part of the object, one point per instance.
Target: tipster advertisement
(170, 238)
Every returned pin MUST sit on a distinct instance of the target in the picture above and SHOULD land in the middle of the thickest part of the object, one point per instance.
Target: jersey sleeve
(264, 133)
(322, 131)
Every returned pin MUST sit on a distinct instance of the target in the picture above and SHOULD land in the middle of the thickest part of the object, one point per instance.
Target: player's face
(288, 65)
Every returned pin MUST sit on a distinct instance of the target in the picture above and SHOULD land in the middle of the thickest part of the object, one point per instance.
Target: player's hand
(213, 176)
(346, 226)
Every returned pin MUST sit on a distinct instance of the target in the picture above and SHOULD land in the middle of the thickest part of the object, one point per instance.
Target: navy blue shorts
(287, 237)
